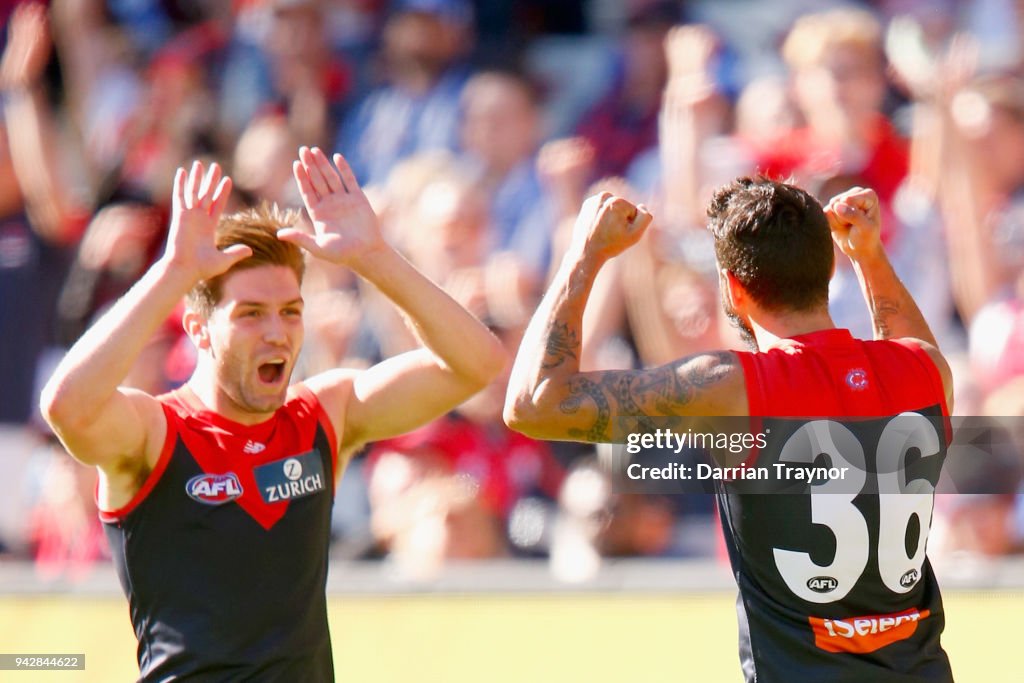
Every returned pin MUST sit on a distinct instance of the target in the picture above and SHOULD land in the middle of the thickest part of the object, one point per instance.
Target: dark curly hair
(774, 238)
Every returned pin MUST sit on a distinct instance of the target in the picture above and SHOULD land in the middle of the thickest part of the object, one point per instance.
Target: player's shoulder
(921, 346)
(718, 364)
(938, 360)
(332, 389)
(717, 378)
(178, 402)
(328, 387)
(327, 391)
(152, 417)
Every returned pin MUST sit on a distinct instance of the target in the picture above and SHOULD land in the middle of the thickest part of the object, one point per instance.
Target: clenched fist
(608, 225)
(855, 219)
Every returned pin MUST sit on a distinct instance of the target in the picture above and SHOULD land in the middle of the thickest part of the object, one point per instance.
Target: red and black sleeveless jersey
(834, 584)
(223, 551)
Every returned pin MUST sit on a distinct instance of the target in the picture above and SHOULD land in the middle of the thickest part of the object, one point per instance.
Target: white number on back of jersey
(900, 500)
(832, 506)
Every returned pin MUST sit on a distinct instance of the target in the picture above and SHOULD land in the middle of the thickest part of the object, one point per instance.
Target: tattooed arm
(549, 398)
(854, 218)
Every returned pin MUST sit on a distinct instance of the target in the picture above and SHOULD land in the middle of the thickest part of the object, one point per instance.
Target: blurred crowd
(477, 129)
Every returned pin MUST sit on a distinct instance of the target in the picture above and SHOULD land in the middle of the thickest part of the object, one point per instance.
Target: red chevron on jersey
(219, 445)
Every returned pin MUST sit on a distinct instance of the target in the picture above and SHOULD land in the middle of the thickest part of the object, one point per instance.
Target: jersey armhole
(936, 380)
(306, 395)
(170, 441)
(751, 383)
(755, 416)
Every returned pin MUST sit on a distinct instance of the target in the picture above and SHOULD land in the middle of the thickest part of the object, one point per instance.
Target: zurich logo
(214, 489)
(292, 469)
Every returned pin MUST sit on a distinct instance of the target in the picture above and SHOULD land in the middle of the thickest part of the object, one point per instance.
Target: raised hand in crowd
(28, 47)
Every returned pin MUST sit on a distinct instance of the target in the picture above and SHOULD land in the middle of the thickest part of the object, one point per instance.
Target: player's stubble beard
(238, 381)
(746, 331)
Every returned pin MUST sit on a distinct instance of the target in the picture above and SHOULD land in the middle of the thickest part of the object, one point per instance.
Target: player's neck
(769, 328)
(204, 385)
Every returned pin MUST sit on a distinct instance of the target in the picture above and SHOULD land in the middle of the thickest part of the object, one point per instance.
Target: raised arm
(549, 398)
(691, 112)
(459, 355)
(116, 428)
(30, 126)
(855, 220)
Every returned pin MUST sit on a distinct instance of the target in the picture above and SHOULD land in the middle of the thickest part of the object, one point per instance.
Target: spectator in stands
(625, 121)
(838, 75)
(281, 60)
(983, 183)
(500, 135)
(262, 162)
(40, 219)
(417, 107)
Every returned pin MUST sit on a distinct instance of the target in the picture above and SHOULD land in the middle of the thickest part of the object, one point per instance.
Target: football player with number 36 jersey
(834, 582)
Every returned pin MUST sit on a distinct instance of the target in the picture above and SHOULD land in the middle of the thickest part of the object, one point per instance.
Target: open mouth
(271, 372)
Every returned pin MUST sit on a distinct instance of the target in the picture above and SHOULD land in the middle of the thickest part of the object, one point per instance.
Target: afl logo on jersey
(214, 489)
(822, 584)
(857, 379)
(909, 578)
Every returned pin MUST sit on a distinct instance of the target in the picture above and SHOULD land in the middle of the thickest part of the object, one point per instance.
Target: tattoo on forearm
(884, 310)
(561, 344)
(663, 391)
(624, 393)
(579, 389)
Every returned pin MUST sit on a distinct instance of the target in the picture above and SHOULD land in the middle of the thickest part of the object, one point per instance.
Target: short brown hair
(256, 228)
(774, 238)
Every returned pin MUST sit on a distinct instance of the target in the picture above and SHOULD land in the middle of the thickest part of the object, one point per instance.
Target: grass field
(454, 639)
